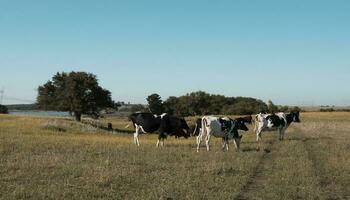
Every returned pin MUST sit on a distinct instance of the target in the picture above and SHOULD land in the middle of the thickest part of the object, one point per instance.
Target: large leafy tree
(155, 104)
(76, 92)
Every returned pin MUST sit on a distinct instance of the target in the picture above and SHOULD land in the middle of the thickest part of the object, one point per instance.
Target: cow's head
(197, 127)
(240, 125)
(295, 116)
(247, 119)
(184, 128)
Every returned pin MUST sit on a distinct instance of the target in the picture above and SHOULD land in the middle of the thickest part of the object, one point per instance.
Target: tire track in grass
(319, 168)
(315, 167)
(257, 177)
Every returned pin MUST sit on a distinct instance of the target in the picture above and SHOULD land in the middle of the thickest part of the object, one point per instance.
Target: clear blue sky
(292, 52)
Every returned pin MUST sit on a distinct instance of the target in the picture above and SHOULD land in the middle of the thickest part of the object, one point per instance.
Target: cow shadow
(116, 130)
(308, 139)
(250, 149)
(256, 149)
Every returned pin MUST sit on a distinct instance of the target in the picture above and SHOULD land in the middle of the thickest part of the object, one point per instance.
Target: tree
(272, 107)
(251, 105)
(3, 109)
(155, 104)
(75, 92)
(217, 102)
(138, 108)
(295, 109)
(283, 108)
(171, 106)
(201, 103)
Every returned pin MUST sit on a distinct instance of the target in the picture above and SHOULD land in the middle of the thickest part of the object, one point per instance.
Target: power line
(18, 99)
(2, 95)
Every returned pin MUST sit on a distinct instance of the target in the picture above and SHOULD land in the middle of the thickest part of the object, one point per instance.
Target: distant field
(55, 158)
(318, 108)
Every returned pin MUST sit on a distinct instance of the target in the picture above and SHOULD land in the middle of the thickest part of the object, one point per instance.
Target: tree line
(202, 103)
(79, 93)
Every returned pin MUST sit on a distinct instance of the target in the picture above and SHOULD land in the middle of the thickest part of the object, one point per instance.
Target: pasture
(56, 158)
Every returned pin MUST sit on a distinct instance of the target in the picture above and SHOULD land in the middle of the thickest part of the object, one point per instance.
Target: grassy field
(51, 158)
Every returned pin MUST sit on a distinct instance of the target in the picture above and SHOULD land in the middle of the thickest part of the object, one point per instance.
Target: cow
(247, 119)
(225, 128)
(165, 124)
(272, 122)
(198, 124)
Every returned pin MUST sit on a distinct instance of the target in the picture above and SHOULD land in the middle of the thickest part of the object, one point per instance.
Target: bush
(295, 109)
(138, 108)
(202, 103)
(3, 109)
(327, 110)
(54, 125)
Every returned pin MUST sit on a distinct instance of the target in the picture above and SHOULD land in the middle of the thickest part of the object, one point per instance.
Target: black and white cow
(272, 122)
(165, 124)
(225, 128)
(198, 124)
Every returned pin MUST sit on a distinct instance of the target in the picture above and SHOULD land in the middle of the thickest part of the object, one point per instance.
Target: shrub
(3, 109)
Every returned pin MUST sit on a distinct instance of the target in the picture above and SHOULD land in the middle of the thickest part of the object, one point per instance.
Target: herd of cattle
(208, 126)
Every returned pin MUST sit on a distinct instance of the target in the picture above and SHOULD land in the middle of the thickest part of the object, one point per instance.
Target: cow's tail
(195, 130)
(255, 122)
(204, 126)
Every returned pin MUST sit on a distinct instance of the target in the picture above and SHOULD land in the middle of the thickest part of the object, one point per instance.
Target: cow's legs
(255, 125)
(281, 133)
(199, 140)
(162, 142)
(161, 139)
(200, 137)
(258, 135)
(207, 140)
(225, 144)
(136, 135)
(235, 142)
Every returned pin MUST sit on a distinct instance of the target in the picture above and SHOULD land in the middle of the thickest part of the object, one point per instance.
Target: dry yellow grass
(51, 158)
